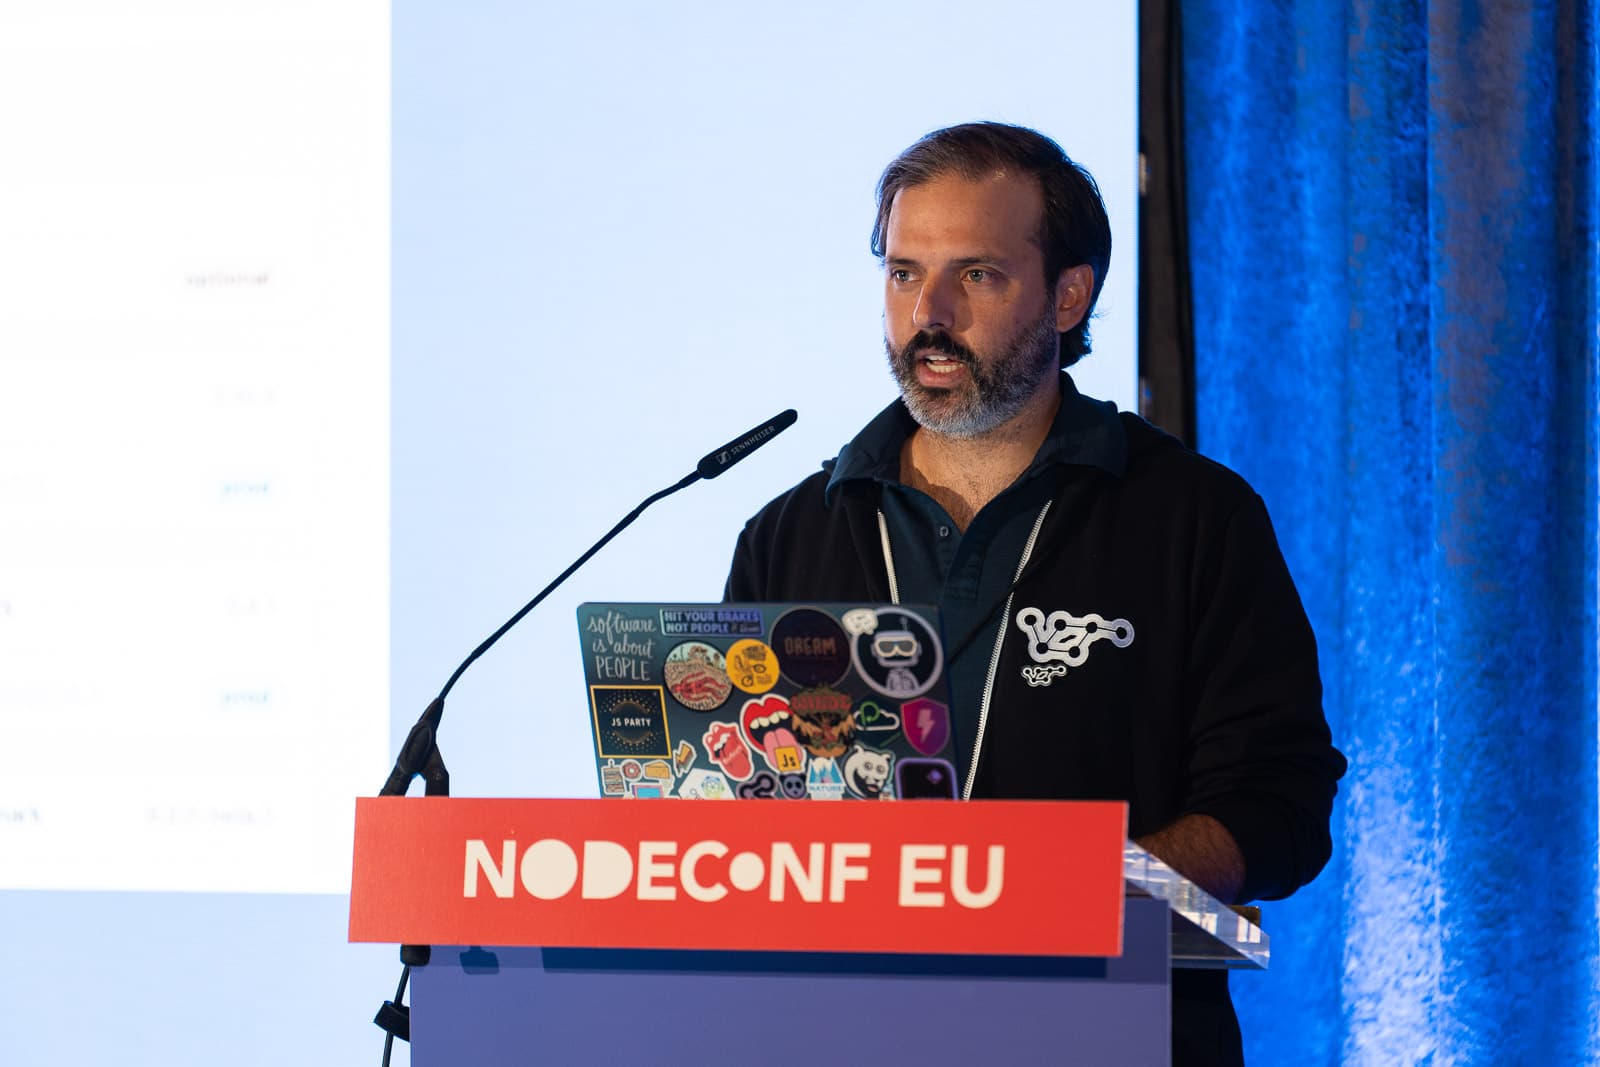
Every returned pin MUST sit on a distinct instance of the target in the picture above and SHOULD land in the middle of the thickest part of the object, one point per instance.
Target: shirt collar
(1085, 432)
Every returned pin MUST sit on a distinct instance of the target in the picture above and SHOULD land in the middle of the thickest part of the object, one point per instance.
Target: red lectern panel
(986, 877)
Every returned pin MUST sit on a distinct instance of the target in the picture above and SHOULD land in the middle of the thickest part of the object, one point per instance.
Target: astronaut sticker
(901, 656)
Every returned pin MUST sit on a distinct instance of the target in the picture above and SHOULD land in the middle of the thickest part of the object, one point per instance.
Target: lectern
(783, 932)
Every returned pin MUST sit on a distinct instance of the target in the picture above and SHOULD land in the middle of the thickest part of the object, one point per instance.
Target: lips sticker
(770, 728)
(728, 750)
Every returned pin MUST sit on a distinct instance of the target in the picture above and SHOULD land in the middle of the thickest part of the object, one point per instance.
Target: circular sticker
(812, 648)
(697, 676)
(752, 666)
(900, 656)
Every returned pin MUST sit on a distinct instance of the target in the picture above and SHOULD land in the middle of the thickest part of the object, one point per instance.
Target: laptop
(761, 701)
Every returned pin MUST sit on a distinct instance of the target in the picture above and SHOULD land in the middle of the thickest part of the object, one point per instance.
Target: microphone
(419, 754)
(721, 459)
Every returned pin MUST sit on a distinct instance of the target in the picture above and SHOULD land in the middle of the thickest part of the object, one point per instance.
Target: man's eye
(900, 275)
(977, 274)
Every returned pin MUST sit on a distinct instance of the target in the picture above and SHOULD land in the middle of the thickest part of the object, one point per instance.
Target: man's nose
(935, 306)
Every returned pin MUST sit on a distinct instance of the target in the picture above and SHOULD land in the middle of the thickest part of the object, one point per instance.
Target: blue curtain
(1393, 223)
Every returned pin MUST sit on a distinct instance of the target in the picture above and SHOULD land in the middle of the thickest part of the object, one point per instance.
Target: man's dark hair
(1074, 230)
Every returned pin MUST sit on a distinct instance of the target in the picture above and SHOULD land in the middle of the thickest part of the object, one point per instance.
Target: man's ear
(1073, 289)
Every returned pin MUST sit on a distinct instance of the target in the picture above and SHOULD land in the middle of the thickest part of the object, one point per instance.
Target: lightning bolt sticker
(928, 725)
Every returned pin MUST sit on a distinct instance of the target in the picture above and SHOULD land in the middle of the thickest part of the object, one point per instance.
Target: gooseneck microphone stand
(420, 755)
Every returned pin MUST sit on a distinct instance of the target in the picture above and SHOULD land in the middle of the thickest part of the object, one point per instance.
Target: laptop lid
(755, 701)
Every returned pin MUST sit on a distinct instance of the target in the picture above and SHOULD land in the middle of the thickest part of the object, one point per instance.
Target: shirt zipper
(994, 658)
(888, 558)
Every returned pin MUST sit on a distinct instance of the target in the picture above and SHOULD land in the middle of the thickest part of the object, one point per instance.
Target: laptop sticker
(925, 779)
(927, 724)
(822, 721)
(697, 676)
(812, 648)
(902, 657)
(769, 727)
(752, 666)
(727, 750)
(630, 720)
(866, 772)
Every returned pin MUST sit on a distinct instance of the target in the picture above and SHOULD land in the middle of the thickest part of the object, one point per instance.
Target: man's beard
(997, 389)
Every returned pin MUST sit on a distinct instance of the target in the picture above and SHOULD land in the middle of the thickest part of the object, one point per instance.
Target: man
(1120, 621)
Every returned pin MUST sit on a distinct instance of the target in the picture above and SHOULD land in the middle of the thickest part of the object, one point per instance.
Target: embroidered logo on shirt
(1061, 640)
